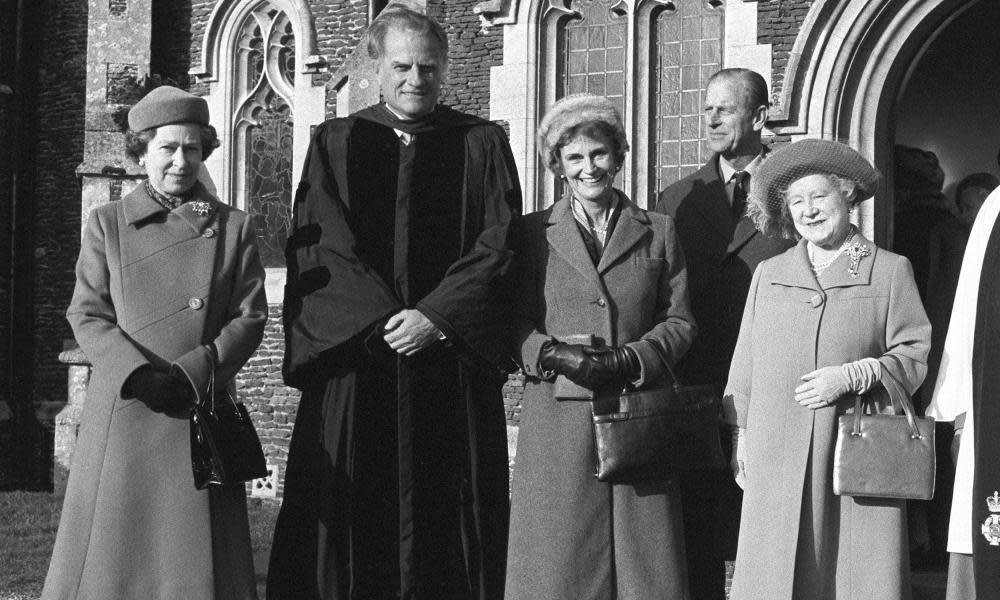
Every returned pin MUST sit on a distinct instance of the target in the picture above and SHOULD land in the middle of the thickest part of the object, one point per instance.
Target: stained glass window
(688, 50)
(263, 128)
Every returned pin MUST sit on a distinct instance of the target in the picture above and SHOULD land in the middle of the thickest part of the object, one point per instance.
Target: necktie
(741, 182)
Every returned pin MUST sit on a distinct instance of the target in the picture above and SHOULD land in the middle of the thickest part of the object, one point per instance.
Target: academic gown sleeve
(331, 296)
(469, 303)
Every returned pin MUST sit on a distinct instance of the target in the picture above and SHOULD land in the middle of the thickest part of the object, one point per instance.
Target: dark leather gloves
(592, 367)
(162, 392)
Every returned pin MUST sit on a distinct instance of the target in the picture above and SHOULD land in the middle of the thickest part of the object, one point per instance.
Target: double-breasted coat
(155, 287)
(797, 539)
(573, 537)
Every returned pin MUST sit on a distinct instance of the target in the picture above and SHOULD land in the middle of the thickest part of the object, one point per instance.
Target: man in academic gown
(722, 248)
(396, 485)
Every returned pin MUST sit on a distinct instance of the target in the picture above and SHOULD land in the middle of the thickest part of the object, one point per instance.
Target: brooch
(202, 208)
(856, 252)
(991, 527)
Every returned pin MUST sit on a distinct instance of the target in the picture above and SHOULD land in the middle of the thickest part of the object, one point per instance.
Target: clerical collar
(726, 170)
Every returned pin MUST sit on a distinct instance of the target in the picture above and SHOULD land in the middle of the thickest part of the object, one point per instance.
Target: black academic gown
(396, 484)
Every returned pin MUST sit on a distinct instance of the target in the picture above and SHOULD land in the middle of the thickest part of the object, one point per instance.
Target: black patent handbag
(653, 434)
(225, 448)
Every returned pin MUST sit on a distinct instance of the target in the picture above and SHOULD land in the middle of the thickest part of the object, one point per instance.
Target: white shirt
(727, 171)
(404, 137)
(953, 389)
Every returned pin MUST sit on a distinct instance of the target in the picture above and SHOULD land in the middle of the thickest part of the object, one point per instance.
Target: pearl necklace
(819, 267)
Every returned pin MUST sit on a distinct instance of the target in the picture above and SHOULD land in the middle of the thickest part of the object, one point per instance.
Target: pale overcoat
(797, 539)
(153, 287)
(571, 536)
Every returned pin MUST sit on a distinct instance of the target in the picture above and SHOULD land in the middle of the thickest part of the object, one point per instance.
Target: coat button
(601, 302)
(196, 303)
(816, 301)
(209, 232)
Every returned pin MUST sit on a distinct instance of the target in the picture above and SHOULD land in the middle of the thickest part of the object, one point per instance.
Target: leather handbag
(225, 448)
(885, 456)
(651, 434)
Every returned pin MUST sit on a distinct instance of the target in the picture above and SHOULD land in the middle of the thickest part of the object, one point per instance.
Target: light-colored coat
(797, 539)
(152, 288)
(571, 536)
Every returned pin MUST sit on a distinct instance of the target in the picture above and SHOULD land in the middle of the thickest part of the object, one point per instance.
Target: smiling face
(733, 129)
(410, 72)
(588, 163)
(820, 210)
(173, 158)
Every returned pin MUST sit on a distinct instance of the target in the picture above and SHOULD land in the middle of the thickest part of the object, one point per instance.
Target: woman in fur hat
(602, 293)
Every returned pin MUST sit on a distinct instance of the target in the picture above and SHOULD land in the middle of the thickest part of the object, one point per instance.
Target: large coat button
(816, 301)
(196, 303)
(601, 302)
(209, 232)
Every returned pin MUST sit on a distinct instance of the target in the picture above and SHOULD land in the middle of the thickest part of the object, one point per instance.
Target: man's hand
(409, 331)
(822, 387)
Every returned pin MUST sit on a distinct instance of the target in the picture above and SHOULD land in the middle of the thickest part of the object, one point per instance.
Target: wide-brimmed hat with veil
(790, 163)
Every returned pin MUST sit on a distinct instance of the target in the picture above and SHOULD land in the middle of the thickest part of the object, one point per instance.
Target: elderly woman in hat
(169, 297)
(602, 285)
(832, 317)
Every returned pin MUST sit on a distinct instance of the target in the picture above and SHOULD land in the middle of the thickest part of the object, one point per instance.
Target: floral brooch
(202, 208)
(855, 252)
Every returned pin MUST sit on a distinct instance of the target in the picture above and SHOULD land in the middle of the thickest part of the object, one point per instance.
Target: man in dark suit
(722, 248)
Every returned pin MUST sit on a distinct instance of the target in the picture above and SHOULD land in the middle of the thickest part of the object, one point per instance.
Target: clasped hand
(162, 392)
(409, 331)
(593, 367)
(822, 387)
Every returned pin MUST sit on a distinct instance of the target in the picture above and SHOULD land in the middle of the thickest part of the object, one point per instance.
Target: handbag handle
(666, 362)
(898, 397)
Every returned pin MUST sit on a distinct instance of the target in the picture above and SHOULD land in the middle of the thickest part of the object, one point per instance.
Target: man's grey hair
(404, 18)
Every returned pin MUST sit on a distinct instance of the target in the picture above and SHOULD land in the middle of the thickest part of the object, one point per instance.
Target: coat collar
(564, 236)
(794, 269)
(139, 206)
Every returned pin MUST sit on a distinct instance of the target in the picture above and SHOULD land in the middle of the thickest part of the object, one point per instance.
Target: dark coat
(797, 539)
(397, 471)
(573, 537)
(721, 253)
(153, 287)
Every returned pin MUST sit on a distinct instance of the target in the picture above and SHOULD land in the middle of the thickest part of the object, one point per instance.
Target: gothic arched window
(262, 127)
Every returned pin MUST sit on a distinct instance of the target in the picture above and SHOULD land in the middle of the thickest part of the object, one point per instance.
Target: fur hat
(166, 105)
(795, 161)
(572, 111)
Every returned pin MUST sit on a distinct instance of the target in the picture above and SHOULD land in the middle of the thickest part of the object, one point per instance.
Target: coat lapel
(794, 270)
(632, 226)
(564, 237)
(713, 205)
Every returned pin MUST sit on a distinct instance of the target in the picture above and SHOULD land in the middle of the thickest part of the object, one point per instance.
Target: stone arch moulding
(845, 74)
(225, 12)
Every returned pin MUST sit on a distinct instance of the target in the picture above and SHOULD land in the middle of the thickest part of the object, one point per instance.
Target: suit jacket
(153, 287)
(722, 253)
(571, 536)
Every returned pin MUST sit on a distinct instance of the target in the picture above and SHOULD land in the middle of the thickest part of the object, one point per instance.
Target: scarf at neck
(169, 201)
